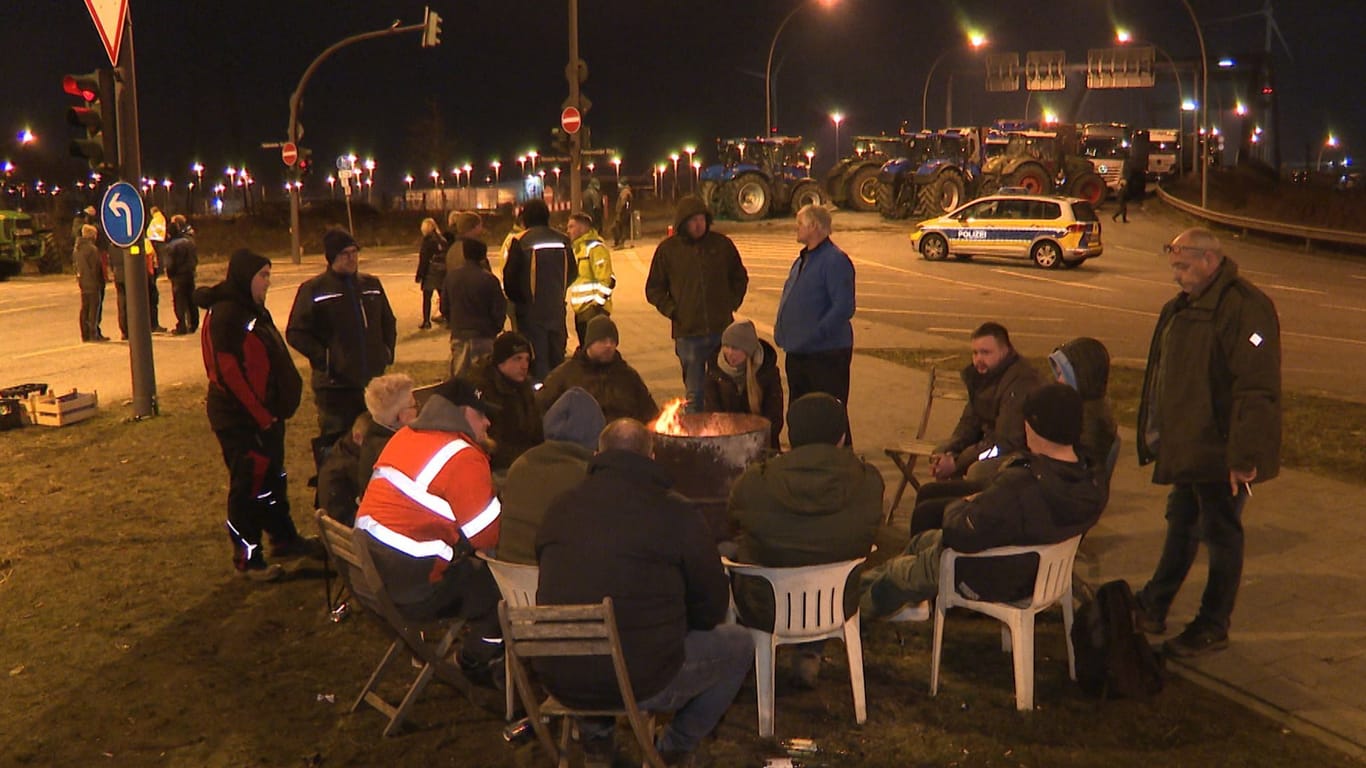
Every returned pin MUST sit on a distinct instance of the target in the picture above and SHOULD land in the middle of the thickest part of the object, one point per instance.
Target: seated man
(389, 401)
(650, 551)
(572, 426)
(1045, 495)
(430, 504)
(1084, 365)
(817, 504)
(505, 381)
(598, 367)
(338, 492)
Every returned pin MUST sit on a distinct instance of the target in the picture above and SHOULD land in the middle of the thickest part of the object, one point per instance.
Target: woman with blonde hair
(744, 378)
(431, 268)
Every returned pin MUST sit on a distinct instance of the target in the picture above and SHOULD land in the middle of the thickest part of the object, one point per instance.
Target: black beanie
(599, 328)
(335, 241)
(510, 343)
(1054, 413)
(242, 267)
(816, 418)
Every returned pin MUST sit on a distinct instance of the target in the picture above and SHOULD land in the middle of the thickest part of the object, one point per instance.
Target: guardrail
(1310, 235)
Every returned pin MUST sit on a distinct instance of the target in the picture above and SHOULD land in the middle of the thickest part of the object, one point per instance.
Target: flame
(670, 421)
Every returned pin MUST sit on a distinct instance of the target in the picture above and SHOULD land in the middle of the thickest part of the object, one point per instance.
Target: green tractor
(26, 238)
(852, 183)
(1044, 162)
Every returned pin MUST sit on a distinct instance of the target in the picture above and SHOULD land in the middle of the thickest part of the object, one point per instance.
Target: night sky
(215, 77)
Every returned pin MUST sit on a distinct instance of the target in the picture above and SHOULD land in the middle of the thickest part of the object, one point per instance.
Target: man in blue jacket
(814, 313)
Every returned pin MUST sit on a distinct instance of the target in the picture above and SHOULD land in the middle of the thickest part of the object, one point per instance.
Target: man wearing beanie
(572, 426)
(253, 389)
(539, 268)
(342, 322)
(697, 281)
(599, 368)
(475, 308)
(744, 378)
(1045, 495)
(505, 381)
(818, 503)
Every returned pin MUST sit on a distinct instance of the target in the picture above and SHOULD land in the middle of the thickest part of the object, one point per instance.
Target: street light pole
(837, 118)
(1204, 107)
(768, 68)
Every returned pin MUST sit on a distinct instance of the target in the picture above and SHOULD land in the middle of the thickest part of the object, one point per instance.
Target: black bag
(1114, 659)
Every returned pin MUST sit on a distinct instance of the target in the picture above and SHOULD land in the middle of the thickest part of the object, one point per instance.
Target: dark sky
(215, 77)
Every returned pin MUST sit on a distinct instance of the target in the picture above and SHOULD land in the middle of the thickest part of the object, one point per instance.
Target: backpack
(1114, 659)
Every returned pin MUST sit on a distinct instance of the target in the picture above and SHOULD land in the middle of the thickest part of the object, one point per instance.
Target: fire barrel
(704, 454)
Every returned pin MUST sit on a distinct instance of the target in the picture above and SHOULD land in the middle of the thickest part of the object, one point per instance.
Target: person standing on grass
(253, 389)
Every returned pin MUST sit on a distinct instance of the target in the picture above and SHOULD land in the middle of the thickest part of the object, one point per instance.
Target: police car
(1052, 230)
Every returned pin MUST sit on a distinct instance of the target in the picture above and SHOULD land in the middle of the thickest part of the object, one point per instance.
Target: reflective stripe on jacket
(592, 287)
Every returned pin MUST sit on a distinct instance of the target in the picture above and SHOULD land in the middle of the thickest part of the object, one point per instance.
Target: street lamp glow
(1049, 116)
(836, 117)
(497, 166)
(976, 39)
(616, 163)
(370, 165)
(1226, 63)
(1240, 109)
(1188, 105)
(1123, 36)
(27, 136)
(408, 179)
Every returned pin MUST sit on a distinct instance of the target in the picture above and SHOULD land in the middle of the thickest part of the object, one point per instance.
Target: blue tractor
(755, 178)
(938, 171)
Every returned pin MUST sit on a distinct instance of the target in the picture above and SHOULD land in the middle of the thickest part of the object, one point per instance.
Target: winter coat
(337, 489)
(539, 268)
(431, 262)
(697, 284)
(182, 258)
(535, 479)
(615, 385)
(621, 533)
(345, 327)
(516, 424)
(371, 447)
(252, 379)
(476, 306)
(1032, 500)
(816, 504)
(89, 267)
(721, 392)
(1085, 366)
(817, 302)
(994, 413)
(1212, 390)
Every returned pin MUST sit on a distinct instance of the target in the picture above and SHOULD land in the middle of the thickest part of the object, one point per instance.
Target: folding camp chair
(942, 386)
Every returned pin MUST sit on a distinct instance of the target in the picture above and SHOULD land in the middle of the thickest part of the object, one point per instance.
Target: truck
(1106, 145)
(1163, 149)
(757, 176)
(852, 183)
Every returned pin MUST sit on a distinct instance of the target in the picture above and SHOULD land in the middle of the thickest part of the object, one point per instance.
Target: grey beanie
(742, 336)
(575, 418)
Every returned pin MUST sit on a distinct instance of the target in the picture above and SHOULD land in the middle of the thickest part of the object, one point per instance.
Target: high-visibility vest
(593, 285)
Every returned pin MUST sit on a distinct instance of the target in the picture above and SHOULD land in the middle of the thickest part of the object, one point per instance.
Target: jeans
(1196, 512)
(693, 353)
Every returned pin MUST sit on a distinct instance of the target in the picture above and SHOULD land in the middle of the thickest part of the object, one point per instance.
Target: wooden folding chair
(570, 630)
(435, 657)
(942, 386)
(517, 583)
(337, 544)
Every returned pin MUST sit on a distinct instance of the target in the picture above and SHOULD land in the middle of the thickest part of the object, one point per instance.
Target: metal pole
(134, 259)
(575, 140)
(925, 94)
(768, 71)
(1204, 108)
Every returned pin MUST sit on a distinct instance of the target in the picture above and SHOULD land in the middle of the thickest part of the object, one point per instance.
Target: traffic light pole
(296, 99)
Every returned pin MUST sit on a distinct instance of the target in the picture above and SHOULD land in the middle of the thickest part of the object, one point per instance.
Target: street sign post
(122, 214)
(289, 153)
(571, 120)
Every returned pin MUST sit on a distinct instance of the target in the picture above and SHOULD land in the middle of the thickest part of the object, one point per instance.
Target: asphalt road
(1321, 299)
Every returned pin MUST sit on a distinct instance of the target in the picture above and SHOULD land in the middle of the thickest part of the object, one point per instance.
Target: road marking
(26, 309)
(1164, 283)
(1341, 306)
(1296, 290)
(1024, 276)
(48, 351)
(928, 313)
(1316, 337)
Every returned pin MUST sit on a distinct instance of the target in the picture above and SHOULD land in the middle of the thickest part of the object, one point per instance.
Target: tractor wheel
(941, 195)
(1089, 187)
(863, 189)
(1032, 178)
(1046, 254)
(9, 269)
(806, 193)
(710, 192)
(933, 247)
(748, 197)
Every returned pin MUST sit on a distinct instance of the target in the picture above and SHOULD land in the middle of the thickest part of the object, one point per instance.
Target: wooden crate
(61, 410)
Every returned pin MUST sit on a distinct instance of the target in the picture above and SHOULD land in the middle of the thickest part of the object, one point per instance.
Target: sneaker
(1198, 639)
(303, 546)
(914, 612)
(806, 669)
(262, 573)
(1146, 620)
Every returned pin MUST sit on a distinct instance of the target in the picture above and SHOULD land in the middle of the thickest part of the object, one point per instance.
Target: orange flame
(670, 421)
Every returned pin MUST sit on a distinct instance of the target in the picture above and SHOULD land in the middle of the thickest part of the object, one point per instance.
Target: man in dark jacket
(90, 278)
(1045, 495)
(475, 307)
(819, 503)
(182, 260)
(505, 382)
(598, 367)
(253, 389)
(650, 551)
(341, 322)
(539, 269)
(1211, 419)
(697, 281)
(338, 491)
(744, 378)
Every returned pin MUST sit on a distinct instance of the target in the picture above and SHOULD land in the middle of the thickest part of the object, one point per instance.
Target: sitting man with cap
(598, 367)
(429, 505)
(572, 426)
(504, 380)
(818, 503)
(1045, 495)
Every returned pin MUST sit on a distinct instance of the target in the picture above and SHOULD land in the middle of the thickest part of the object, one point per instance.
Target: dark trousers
(123, 309)
(826, 371)
(933, 498)
(90, 314)
(258, 500)
(337, 411)
(153, 301)
(547, 346)
(1198, 512)
(186, 313)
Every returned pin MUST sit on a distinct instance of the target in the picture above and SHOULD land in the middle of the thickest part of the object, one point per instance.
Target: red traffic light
(84, 86)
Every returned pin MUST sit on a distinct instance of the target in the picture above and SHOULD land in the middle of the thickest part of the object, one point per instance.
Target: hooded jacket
(616, 386)
(697, 284)
(516, 425)
(252, 379)
(1084, 365)
(1212, 390)
(721, 393)
(345, 327)
(993, 415)
(535, 480)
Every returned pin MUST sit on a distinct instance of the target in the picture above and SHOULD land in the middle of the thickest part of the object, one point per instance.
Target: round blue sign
(122, 214)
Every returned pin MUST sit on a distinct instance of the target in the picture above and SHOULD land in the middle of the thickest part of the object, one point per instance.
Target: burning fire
(670, 421)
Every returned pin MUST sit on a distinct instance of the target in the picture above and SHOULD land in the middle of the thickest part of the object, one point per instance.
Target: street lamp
(674, 157)
(497, 166)
(521, 164)
(27, 136)
(531, 155)
(768, 68)
(468, 168)
(616, 163)
(691, 150)
(331, 186)
(696, 174)
(976, 40)
(436, 178)
(810, 156)
(837, 118)
(408, 179)
(1330, 143)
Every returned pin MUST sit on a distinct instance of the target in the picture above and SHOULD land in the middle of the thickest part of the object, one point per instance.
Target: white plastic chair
(517, 584)
(808, 605)
(1052, 585)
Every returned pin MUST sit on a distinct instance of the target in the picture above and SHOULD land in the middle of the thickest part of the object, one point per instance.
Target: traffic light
(560, 140)
(431, 29)
(98, 115)
(305, 162)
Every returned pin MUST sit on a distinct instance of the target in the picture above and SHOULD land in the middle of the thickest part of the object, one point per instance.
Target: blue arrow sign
(122, 215)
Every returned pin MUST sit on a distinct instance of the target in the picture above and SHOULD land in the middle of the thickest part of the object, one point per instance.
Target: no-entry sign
(289, 153)
(571, 120)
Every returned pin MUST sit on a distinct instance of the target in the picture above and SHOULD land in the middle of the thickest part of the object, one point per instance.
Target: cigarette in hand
(1247, 487)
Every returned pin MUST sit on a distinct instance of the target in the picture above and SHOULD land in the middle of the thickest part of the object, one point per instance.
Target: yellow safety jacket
(593, 285)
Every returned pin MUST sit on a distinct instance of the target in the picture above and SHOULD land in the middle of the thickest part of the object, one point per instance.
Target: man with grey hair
(813, 325)
(1211, 419)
